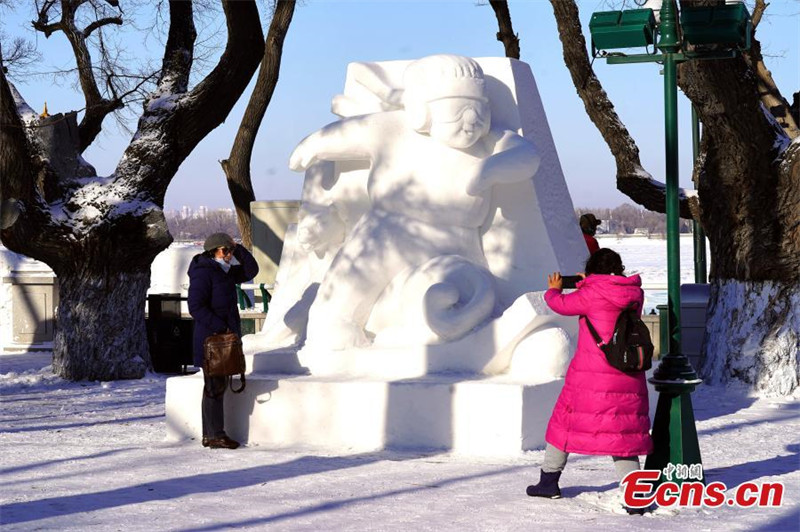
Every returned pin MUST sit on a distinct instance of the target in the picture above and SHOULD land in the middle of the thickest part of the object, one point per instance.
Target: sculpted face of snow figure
(432, 166)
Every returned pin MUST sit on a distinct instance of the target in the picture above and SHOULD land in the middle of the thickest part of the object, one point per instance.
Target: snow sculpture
(428, 225)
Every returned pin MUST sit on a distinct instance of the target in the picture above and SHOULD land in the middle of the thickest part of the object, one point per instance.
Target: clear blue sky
(326, 35)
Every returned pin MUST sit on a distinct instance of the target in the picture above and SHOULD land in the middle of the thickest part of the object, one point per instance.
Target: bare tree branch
(237, 166)
(179, 51)
(506, 34)
(211, 98)
(758, 12)
(42, 22)
(101, 22)
(18, 55)
(632, 179)
(47, 29)
(768, 90)
(97, 107)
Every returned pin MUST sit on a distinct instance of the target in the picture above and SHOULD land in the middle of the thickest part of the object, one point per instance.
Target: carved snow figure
(427, 226)
(429, 191)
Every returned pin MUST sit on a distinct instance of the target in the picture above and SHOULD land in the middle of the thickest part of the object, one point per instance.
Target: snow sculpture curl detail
(456, 294)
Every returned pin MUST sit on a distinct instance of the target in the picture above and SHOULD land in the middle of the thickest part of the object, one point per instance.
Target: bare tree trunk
(100, 326)
(237, 165)
(753, 335)
(506, 34)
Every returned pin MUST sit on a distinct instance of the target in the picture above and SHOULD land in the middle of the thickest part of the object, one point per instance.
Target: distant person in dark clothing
(213, 276)
(589, 225)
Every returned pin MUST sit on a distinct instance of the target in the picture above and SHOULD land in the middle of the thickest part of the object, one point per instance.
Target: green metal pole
(698, 235)
(674, 432)
(673, 206)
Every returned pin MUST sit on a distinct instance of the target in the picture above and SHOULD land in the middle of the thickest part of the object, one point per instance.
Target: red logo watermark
(691, 492)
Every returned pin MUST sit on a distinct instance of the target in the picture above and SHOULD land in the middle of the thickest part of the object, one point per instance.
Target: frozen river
(648, 257)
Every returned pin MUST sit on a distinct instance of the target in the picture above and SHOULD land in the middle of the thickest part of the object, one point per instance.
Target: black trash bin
(168, 334)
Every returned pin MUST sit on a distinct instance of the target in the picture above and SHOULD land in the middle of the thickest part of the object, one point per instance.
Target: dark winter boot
(547, 486)
(635, 511)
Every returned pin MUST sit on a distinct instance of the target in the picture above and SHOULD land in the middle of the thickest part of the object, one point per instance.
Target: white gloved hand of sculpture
(302, 157)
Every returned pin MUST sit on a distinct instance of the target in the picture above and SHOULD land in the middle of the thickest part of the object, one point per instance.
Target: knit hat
(218, 240)
(589, 223)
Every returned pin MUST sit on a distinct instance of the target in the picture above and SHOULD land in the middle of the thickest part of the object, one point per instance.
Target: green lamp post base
(675, 439)
(675, 446)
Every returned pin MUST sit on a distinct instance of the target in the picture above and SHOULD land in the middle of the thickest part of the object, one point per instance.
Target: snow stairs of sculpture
(465, 414)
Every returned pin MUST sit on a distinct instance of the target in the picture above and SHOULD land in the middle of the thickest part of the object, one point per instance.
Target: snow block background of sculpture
(530, 231)
(270, 219)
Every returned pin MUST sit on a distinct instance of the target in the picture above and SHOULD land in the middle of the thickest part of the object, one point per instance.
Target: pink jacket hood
(617, 290)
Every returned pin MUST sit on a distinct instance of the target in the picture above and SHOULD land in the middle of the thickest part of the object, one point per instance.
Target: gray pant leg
(554, 459)
(212, 406)
(625, 464)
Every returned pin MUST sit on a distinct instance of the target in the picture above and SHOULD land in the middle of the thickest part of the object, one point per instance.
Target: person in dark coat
(213, 276)
(589, 223)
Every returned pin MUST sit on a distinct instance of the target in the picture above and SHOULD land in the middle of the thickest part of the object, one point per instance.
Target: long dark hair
(604, 261)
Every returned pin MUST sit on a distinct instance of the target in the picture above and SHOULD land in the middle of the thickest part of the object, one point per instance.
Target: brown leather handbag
(223, 357)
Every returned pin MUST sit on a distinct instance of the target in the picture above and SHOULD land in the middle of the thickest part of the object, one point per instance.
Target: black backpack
(630, 348)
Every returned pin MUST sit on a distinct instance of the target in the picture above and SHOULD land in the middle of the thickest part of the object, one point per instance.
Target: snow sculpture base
(462, 414)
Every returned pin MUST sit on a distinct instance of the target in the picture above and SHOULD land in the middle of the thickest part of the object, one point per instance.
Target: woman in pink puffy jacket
(601, 410)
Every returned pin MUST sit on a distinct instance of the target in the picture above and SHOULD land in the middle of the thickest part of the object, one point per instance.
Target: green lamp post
(674, 433)
(698, 235)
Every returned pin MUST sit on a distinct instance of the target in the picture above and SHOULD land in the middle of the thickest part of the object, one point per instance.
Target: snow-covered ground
(92, 456)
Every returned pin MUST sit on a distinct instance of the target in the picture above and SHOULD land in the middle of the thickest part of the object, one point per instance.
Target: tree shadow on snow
(84, 424)
(175, 488)
(334, 505)
(749, 471)
(786, 412)
(48, 463)
(711, 401)
(788, 521)
(568, 492)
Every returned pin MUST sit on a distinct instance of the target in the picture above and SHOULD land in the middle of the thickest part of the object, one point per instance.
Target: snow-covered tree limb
(16, 157)
(175, 120)
(768, 90)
